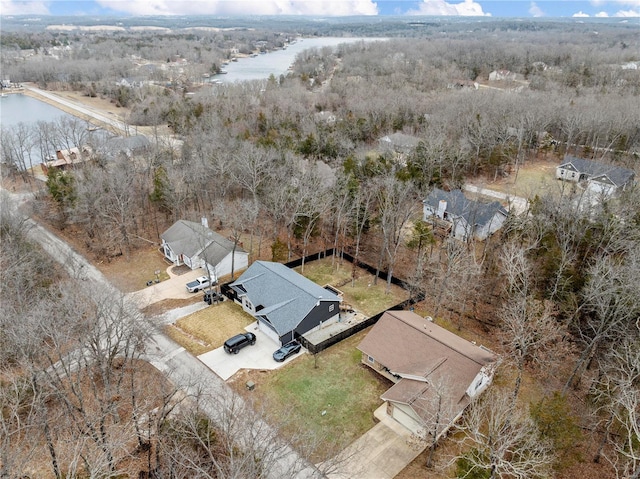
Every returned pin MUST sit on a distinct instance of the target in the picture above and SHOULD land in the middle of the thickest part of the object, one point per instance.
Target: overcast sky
(494, 8)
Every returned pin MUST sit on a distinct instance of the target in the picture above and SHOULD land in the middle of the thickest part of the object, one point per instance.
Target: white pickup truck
(199, 283)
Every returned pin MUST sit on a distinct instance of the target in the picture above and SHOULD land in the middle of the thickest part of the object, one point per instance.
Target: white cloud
(580, 14)
(441, 7)
(535, 10)
(601, 15)
(633, 3)
(634, 10)
(627, 13)
(17, 7)
(243, 7)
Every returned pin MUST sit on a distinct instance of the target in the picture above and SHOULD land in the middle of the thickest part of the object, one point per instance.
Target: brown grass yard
(535, 177)
(209, 328)
(132, 275)
(363, 295)
(296, 395)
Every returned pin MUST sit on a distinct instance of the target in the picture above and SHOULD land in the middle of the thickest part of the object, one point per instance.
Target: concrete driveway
(172, 288)
(380, 453)
(258, 356)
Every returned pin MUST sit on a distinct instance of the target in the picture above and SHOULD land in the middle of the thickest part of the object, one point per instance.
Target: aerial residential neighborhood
(327, 240)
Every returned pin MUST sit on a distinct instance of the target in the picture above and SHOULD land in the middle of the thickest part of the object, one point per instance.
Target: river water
(277, 63)
(18, 108)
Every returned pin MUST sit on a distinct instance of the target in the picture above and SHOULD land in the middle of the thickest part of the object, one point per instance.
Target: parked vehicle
(199, 283)
(287, 350)
(235, 344)
(210, 297)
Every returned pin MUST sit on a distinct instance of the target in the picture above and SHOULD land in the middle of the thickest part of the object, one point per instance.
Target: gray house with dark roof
(127, 147)
(468, 218)
(435, 372)
(195, 245)
(601, 178)
(285, 304)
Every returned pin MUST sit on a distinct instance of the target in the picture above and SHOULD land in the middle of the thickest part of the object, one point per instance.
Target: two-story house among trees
(466, 219)
(600, 178)
(436, 373)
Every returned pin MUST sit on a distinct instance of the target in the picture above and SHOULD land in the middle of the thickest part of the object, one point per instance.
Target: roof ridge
(275, 271)
(424, 331)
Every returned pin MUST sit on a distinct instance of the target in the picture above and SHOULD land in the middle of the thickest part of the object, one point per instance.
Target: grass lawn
(363, 295)
(535, 177)
(209, 328)
(297, 394)
(133, 275)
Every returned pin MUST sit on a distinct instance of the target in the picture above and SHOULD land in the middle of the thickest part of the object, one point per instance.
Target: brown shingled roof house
(436, 373)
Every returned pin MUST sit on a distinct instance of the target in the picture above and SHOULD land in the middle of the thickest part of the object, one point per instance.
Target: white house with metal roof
(197, 246)
(285, 304)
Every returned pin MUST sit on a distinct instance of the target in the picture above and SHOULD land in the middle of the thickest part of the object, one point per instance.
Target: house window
(331, 307)
(370, 359)
(573, 174)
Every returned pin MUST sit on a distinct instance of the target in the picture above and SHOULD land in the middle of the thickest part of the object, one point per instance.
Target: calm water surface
(18, 108)
(277, 63)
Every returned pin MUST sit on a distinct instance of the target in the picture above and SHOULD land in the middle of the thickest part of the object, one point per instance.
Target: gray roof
(400, 140)
(119, 144)
(593, 169)
(285, 296)
(475, 213)
(190, 238)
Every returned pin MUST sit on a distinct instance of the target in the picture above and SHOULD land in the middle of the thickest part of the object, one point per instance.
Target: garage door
(269, 332)
(405, 419)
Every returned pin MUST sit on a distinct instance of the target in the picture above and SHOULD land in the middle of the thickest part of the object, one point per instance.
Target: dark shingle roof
(474, 212)
(189, 238)
(593, 169)
(285, 296)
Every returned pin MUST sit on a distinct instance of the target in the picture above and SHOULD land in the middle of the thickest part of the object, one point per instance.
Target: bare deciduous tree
(617, 393)
(396, 206)
(501, 441)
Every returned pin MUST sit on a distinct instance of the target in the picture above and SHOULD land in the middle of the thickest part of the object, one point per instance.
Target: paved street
(111, 121)
(183, 369)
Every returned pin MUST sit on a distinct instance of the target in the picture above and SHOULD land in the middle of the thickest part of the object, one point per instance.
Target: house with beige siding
(435, 372)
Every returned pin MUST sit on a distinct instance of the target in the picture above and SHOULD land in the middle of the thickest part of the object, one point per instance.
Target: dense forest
(296, 162)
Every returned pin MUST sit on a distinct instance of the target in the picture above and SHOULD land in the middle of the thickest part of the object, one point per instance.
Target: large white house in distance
(197, 246)
(601, 178)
